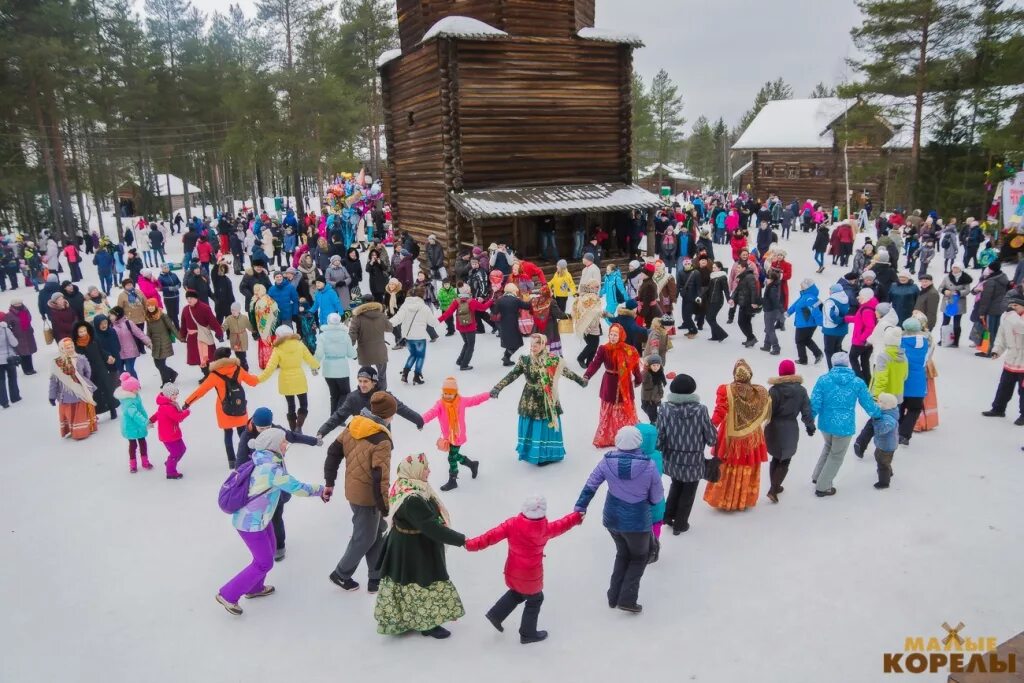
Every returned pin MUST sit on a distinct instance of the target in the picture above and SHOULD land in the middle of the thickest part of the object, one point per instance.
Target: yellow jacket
(562, 284)
(289, 354)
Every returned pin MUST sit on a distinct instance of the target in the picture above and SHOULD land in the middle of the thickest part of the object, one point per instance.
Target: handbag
(443, 444)
(525, 323)
(47, 333)
(566, 326)
(946, 337)
(977, 334)
(712, 469)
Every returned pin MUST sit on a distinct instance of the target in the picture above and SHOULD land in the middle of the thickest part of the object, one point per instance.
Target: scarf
(541, 308)
(548, 371)
(661, 277)
(265, 312)
(587, 308)
(412, 481)
(452, 410)
(65, 370)
(625, 360)
(79, 340)
(748, 403)
(155, 314)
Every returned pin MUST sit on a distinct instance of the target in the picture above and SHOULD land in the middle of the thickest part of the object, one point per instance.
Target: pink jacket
(167, 418)
(150, 290)
(864, 321)
(439, 412)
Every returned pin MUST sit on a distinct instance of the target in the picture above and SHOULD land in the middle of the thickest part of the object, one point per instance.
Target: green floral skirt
(411, 607)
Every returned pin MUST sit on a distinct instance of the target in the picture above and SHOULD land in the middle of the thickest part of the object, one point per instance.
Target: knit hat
(865, 294)
(904, 273)
(682, 384)
(1015, 298)
(851, 276)
(588, 257)
(383, 405)
(268, 440)
(367, 371)
(649, 268)
(883, 256)
(840, 359)
(912, 325)
(236, 307)
(835, 289)
(631, 304)
(892, 336)
(806, 283)
(654, 359)
(883, 308)
(787, 368)
(56, 296)
(886, 401)
(52, 277)
(926, 276)
(170, 390)
(449, 385)
(129, 383)
(867, 275)
(283, 331)
(628, 439)
(262, 417)
(535, 507)
(333, 319)
(510, 288)
(562, 263)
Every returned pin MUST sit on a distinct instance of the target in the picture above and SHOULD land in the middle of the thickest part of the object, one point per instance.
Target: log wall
(414, 126)
(543, 112)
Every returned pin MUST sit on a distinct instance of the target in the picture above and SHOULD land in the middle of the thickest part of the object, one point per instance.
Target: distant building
(131, 196)
(676, 178)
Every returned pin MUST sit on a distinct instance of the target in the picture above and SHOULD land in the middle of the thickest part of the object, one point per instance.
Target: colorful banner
(1013, 200)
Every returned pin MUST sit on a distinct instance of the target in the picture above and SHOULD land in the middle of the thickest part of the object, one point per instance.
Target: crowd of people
(343, 292)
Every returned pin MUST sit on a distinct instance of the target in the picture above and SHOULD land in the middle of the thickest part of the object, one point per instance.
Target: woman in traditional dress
(587, 312)
(667, 289)
(546, 313)
(621, 374)
(540, 423)
(415, 591)
(86, 345)
(198, 325)
(71, 391)
(740, 411)
(263, 314)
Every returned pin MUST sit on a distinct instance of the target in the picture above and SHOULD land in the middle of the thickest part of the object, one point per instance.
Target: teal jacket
(333, 350)
(134, 419)
(649, 446)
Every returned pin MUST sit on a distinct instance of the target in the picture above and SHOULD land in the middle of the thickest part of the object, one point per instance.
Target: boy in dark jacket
(652, 389)
(886, 434)
(789, 401)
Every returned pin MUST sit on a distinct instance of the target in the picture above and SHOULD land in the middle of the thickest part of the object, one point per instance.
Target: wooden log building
(814, 148)
(499, 113)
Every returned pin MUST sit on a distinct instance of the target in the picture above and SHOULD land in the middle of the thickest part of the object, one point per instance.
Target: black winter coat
(223, 295)
(100, 376)
(821, 240)
(789, 402)
(747, 294)
(354, 404)
(251, 279)
(378, 276)
(884, 277)
(717, 293)
(200, 285)
(772, 299)
(508, 306)
(354, 267)
(993, 290)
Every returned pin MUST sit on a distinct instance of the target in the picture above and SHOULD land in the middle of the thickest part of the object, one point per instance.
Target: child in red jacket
(527, 535)
(168, 418)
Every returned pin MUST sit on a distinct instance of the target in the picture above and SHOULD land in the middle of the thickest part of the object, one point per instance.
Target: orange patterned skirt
(77, 420)
(613, 417)
(738, 488)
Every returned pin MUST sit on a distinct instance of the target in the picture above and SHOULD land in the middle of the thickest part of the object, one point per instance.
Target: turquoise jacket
(325, 302)
(834, 401)
(649, 446)
(134, 419)
(614, 291)
(268, 479)
(333, 350)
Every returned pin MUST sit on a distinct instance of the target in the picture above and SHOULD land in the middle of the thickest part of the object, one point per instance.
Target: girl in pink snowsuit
(168, 418)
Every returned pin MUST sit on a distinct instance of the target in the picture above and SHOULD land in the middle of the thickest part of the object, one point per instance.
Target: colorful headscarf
(549, 371)
(749, 402)
(625, 360)
(412, 481)
(541, 308)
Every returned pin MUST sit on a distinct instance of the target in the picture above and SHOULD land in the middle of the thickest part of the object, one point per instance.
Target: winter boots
(132, 467)
(300, 419)
(777, 470)
(506, 359)
(146, 464)
(453, 478)
(292, 417)
(417, 378)
(453, 483)
(405, 375)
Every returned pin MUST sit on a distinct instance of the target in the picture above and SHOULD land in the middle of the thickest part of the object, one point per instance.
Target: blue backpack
(234, 492)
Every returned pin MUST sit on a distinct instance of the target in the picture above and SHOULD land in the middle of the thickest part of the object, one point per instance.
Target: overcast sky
(720, 52)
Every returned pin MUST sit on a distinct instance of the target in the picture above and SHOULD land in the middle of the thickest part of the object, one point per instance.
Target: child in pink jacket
(864, 322)
(168, 418)
(450, 413)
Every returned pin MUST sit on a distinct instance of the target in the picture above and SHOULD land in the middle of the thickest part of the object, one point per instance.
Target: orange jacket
(224, 367)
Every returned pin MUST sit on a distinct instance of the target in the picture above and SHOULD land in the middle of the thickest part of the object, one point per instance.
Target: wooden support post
(650, 232)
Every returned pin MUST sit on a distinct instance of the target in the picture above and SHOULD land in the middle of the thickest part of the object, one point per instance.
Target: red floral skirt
(738, 488)
(613, 417)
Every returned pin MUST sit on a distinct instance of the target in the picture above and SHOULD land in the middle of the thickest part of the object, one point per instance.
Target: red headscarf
(625, 360)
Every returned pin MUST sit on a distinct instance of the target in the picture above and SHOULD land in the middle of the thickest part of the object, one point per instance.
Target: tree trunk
(296, 182)
(259, 189)
(57, 145)
(922, 75)
(44, 152)
(72, 144)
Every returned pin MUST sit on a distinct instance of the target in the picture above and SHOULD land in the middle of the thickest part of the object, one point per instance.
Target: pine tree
(720, 134)
(700, 160)
(821, 90)
(908, 47)
(769, 92)
(643, 126)
(666, 105)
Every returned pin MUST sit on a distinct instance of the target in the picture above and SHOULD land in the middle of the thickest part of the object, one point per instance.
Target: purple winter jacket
(125, 329)
(634, 485)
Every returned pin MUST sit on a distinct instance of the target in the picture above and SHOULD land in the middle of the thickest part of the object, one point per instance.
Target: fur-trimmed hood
(283, 338)
(223, 363)
(786, 379)
(367, 307)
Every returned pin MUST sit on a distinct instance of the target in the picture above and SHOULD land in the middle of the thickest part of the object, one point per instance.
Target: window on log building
(767, 170)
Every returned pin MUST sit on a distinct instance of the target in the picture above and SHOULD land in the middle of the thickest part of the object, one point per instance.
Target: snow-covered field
(109, 576)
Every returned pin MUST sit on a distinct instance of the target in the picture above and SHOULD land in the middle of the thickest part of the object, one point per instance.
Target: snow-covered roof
(161, 185)
(804, 124)
(388, 56)
(462, 27)
(673, 172)
(607, 36)
(553, 200)
(742, 169)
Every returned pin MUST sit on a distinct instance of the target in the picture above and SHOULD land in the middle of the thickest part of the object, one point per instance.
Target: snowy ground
(110, 576)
